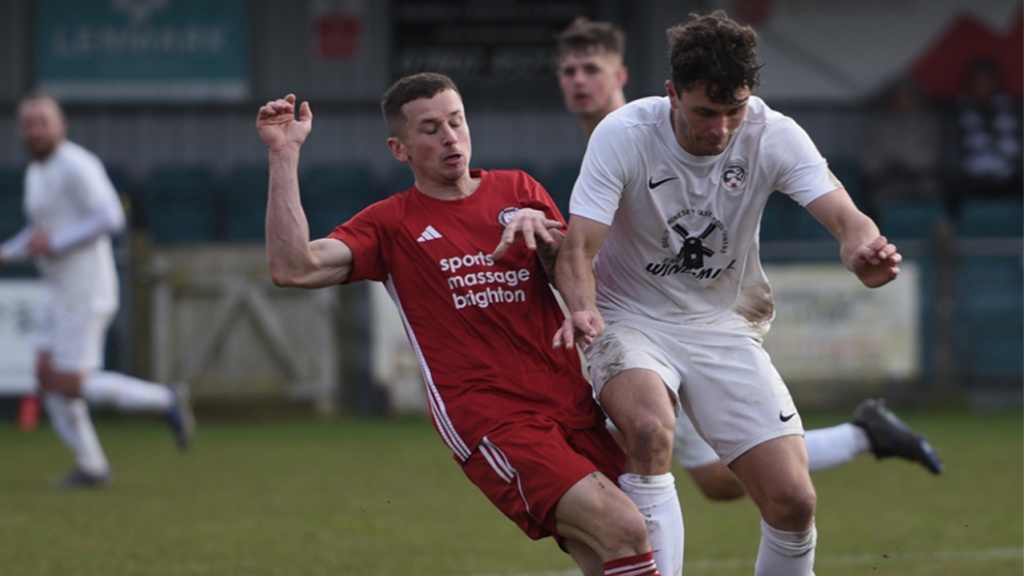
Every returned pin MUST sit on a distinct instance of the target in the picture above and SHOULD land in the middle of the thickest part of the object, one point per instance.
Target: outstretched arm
(292, 258)
(16, 248)
(574, 275)
(108, 218)
(863, 250)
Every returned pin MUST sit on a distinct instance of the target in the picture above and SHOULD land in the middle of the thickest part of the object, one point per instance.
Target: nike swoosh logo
(786, 418)
(652, 184)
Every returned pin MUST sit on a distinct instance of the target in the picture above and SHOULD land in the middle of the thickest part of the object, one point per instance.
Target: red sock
(639, 565)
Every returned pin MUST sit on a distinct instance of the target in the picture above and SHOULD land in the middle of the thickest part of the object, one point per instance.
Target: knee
(650, 436)
(628, 532)
(791, 508)
(50, 380)
(606, 520)
(44, 374)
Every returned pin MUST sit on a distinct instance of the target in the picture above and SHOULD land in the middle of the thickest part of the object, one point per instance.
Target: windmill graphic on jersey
(693, 251)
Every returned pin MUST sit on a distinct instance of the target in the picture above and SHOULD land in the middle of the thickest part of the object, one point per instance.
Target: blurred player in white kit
(73, 210)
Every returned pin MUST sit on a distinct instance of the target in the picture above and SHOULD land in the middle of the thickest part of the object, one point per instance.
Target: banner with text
(142, 50)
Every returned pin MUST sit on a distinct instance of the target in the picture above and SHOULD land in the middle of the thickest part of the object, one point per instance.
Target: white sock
(830, 447)
(80, 434)
(60, 418)
(658, 501)
(785, 553)
(126, 393)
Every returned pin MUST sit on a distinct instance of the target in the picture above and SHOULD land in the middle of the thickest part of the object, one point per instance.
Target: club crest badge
(734, 177)
(506, 215)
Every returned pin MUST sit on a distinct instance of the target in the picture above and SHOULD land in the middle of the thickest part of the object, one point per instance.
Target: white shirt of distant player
(60, 192)
(682, 245)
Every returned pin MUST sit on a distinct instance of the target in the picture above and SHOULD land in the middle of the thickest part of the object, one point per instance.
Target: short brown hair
(584, 34)
(715, 51)
(407, 89)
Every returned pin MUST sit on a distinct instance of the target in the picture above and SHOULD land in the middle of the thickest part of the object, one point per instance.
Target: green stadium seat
(12, 216)
(506, 163)
(807, 228)
(399, 179)
(777, 219)
(917, 219)
(848, 172)
(334, 193)
(559, 181)
(182, 205)
(11, 180)
(245, 203)
(980, 217)
(989, 318)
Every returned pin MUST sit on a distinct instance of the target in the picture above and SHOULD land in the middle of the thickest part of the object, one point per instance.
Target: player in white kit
(73, 210)
(592, 76)
(661, 272)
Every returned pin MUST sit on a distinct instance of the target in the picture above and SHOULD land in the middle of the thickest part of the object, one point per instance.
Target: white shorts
(75, 336)
(731, 391)
(689, 449)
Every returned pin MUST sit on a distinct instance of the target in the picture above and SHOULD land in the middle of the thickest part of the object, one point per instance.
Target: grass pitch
(366, 497)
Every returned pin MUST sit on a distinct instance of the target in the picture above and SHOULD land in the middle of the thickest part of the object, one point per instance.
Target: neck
(442, 190)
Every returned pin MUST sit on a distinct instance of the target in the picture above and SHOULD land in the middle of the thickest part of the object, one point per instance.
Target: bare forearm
(287, 231)
(575, 280)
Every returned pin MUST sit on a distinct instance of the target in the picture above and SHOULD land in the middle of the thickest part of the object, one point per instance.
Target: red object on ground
(28, 413)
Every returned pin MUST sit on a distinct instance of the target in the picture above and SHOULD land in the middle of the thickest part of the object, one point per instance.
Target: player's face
(591, 81)
(436, 141)
(42, 126)
(703, 127)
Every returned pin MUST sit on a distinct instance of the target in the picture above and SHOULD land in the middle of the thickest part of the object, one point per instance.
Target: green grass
(358, 497)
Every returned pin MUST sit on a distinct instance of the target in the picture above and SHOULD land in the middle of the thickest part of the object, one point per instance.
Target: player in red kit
(463, 255)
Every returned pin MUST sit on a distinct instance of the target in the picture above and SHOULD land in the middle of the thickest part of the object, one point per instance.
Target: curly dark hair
(407, 89)
(715, 51)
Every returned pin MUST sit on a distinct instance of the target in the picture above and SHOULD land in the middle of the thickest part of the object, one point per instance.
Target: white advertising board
(829, 327)
(19, 299)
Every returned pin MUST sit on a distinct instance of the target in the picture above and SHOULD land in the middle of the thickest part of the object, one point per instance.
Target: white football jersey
(682, 245)
(59, 191)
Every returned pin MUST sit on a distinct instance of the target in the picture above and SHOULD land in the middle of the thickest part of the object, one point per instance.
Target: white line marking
(844, 559)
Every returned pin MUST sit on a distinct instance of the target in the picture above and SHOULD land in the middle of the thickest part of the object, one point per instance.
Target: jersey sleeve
(604, 173)
(803, 173)
(93, 189)
(369, 234)
(96, 201)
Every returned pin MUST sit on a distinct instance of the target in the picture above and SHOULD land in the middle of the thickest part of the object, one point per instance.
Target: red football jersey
(481, 329)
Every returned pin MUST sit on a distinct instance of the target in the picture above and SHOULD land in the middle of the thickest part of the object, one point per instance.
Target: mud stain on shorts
(609, 356)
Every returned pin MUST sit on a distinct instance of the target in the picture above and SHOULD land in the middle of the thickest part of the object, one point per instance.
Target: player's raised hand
(278, 126)
(39, 242)
(876, 264)
(528, 224)
(582, 326)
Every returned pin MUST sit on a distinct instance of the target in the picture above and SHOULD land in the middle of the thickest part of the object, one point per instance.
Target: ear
(623, 76)
(670, 90)
(398, 149)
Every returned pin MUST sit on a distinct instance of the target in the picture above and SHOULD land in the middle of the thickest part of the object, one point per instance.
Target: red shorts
(525, 467)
